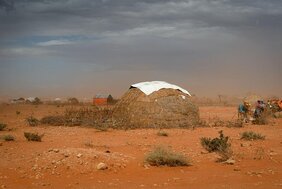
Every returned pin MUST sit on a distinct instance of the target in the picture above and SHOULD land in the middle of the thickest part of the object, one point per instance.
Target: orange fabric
(100, 101)
(280, 103)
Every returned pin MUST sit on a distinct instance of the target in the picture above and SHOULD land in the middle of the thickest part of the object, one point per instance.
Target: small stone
(272, 154)
(204, 152)
(1, 144)
(102, 166)
(229, 162)
(56, 150)
(79, 155)
(66, 155)
(236, 169)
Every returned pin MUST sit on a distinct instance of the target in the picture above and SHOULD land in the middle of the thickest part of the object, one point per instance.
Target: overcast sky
(61, 48)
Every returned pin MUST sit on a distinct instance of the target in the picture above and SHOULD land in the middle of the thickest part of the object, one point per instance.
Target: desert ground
(67, 157)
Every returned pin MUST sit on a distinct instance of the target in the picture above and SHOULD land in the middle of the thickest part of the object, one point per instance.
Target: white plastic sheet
(152, 86)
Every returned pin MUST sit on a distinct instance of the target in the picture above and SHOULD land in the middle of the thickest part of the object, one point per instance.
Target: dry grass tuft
(33, 136)
(219, 145)
(2, 126)
(164, 156)
(32, 121)
(8, 138)
(250, 135)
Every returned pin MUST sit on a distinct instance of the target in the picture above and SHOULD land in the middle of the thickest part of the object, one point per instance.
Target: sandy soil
(67, 157)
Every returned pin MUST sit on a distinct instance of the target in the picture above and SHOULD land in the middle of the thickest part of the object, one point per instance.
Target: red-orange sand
(67, 157)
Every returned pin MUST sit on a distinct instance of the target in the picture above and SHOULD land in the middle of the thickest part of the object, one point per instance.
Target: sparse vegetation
(2, 126)
(250, 135)
(236, 123)
(219, 145)
(32, 121)
(261, 120)
(53, 120)
(8, 138)
(164, 156)
(162, 133)
(277, 115)
(33, 136)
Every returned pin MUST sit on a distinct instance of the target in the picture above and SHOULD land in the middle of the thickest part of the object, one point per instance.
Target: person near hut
(243, 111)
(260, 106)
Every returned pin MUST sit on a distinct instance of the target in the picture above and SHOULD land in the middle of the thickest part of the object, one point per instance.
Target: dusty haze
(82, 47)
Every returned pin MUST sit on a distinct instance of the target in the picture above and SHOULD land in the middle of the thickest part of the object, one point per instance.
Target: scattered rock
(56, 150)
(102, 166)
(107, 151)
(236, 169)
(79, 155)
(66, 155)
(229, 162)
(247, 144)
(272, 153)
(204, 152)
(1, 144)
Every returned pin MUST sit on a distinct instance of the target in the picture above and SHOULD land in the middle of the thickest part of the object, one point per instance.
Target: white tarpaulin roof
(152, 86)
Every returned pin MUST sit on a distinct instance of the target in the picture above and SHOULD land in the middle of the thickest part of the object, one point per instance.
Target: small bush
(219, 145)
(261, 120)
(250, 135)
(8, 138)
(162, 133)
(53, 120)
(2, 126)
(163, 156)
(32, 121)
(33, 136)
(277, 115)
(236, 123)
(216, 144)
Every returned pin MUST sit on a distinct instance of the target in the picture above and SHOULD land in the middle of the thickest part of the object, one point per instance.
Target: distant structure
(102, 99)
(73, 101)
(18, 101)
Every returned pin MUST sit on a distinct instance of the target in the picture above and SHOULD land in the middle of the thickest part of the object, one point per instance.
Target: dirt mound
(166, 108)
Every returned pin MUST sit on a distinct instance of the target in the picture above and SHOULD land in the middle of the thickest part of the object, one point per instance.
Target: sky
(66, 48)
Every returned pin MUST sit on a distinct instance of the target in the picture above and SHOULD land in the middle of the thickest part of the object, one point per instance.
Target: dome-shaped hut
(155, 104)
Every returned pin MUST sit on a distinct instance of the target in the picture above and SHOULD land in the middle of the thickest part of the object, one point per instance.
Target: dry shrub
(164, 156)
(8, 138)
(53, 120)
(217, 122)
(2, 126)
(263, 119)
(219, 145)
(277, 115)
(83, 116)
(250, 135)
(32, 121)
(33, 136)
(235, 123)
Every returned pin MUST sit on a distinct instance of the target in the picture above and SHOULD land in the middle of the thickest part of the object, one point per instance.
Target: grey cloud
(98, 17)
(7, 5)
